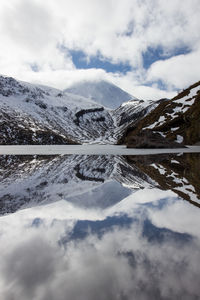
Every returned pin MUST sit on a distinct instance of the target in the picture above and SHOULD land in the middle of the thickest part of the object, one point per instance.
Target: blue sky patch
(34, 67)
(158, 53)
(80, 61)
(159, 84)
(130, 29)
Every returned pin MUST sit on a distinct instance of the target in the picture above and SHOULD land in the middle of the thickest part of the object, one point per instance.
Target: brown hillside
(179, 116)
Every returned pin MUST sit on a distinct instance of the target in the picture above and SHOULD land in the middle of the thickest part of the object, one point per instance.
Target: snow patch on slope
(181, 106)
(75, 117)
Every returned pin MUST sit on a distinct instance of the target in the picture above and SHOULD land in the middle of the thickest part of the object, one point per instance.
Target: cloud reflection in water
(144, 246)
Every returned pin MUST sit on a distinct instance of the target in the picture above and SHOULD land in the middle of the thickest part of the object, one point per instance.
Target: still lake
(99, 222)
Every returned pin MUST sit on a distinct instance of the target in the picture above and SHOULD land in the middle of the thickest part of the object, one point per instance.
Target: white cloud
(119, 31)
(134, 84)
(178, 71)
(38, 263)
(65, 78)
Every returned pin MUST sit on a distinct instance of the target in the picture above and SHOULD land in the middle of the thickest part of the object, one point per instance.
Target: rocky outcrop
(149, 139)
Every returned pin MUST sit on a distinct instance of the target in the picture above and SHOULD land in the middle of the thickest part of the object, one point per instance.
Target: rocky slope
(129, 114)
(20, 128)
(173, 122)
(37, 114)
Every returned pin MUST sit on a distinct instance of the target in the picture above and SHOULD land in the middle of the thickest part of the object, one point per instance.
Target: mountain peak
(102, 92)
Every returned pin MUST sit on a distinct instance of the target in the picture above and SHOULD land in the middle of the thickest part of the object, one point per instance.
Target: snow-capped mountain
(35, 114)
(102, 92)
(31, 112)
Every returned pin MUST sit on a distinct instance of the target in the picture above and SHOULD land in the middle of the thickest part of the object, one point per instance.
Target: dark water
(100, 227)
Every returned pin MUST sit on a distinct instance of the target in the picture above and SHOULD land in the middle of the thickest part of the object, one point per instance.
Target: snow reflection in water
(109, 227)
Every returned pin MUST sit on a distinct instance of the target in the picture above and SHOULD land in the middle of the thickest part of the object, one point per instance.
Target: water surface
(94, 149)
(100, 226)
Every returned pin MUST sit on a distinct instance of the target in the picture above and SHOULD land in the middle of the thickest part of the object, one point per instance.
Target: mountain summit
(102, 92)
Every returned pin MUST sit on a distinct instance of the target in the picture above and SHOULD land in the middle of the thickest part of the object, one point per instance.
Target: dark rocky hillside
(172, 123)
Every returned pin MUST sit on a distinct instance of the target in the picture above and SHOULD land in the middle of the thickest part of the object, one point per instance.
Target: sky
(150, 48)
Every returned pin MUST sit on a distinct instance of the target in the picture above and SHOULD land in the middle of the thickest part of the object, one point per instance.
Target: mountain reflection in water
(100, 227)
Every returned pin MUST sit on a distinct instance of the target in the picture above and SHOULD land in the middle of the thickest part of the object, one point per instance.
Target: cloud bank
(37, 39)
(124, 263)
